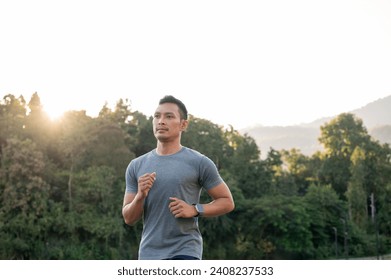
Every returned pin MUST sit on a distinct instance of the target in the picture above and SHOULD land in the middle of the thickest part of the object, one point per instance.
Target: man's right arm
(133, 206)
(132, 209)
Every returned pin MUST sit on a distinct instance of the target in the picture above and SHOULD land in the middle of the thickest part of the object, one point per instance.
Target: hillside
(285, 137)
(375, 115)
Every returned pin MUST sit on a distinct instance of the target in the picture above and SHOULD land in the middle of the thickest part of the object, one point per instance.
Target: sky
(238, 63)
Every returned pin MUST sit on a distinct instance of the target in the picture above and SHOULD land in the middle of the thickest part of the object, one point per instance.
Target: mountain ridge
(376, 117)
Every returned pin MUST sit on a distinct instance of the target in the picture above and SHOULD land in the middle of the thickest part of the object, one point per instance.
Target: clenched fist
(181, 209)
(145, 183)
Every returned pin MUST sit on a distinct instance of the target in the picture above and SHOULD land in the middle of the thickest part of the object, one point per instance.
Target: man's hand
(181, 209)
(145, 183)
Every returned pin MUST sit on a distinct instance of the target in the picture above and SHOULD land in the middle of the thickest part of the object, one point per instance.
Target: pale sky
(276, 62)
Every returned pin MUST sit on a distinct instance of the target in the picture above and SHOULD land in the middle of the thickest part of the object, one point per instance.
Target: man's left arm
(222, 203)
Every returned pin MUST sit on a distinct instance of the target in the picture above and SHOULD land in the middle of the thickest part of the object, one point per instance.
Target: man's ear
(184, 125)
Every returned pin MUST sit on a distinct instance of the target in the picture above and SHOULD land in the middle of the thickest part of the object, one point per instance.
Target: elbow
(128, 219)
(231, 206)
(130, 222)
(130, 216)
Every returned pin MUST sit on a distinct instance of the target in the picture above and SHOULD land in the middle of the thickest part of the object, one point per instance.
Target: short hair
(181, 106)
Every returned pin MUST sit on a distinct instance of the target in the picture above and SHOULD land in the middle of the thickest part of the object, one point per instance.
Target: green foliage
(340, 138)
(24, 195)
(12, 115)
(62, 185)
(326, 213)
(356, 194)
(208, 139)
(275, 227)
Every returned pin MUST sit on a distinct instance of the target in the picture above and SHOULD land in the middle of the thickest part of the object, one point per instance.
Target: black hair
(181, 106)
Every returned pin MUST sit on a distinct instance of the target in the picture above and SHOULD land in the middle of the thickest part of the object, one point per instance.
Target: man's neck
(165, 149)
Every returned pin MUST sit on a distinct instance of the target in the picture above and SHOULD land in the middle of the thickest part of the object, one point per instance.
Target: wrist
(199, 210)
(140, 197)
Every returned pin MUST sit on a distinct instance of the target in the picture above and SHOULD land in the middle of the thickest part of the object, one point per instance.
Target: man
(164, 187)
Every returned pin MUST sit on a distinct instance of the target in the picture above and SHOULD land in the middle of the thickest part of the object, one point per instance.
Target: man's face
(167, 123)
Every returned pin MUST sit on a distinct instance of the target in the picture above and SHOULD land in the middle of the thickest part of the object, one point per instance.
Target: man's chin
(162, 138)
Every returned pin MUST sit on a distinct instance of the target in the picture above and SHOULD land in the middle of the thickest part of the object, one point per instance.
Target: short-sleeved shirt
(181, 175)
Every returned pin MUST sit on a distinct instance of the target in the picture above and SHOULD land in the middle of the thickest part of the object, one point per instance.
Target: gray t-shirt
(180, 175)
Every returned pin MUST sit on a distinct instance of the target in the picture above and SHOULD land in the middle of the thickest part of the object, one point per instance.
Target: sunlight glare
(55, 108)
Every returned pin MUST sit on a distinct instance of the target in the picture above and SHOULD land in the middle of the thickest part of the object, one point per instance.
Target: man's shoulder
(197, 157)
(142, 157)
(193, 153)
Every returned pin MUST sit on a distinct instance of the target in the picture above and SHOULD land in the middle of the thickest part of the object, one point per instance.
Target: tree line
(62, 184)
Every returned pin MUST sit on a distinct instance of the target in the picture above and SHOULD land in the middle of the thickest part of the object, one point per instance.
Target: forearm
(218, 207)
(133, 211)
(222, 201)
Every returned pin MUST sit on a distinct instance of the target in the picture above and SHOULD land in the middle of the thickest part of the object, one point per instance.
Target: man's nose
(161, 120)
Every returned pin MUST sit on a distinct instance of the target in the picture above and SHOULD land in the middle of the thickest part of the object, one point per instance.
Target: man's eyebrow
(167, 113)
(164, 113)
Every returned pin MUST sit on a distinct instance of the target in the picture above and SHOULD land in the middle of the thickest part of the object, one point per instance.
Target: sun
(55, 107)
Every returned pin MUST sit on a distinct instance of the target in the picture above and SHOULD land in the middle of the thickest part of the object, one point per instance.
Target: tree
(325, 210)
(72, 141)
(138, 128)
(245, 165)
(24, 198)
(12, 117)
(120, 116)
(213, 229)
(275, 227)
(97, 200)
(207, 138)
(281, 181)
(106, 146)
(340, 137)
(37, 124)
(383, 192)
(142, 131)
(299, 167)
(356, 194)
